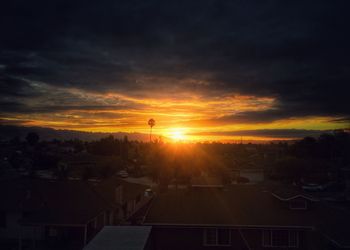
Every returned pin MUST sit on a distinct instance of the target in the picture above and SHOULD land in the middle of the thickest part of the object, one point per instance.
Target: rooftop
(130, 190)
(242, 205)
(51, 202)
(120, 237)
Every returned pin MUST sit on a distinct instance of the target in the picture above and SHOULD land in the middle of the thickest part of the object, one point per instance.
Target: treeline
(328, 146)
(110, 146)
(179, 162)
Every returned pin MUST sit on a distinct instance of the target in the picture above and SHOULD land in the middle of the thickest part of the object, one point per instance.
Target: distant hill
(9, 131)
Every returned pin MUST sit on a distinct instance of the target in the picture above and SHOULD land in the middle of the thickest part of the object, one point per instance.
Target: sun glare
(177, 134)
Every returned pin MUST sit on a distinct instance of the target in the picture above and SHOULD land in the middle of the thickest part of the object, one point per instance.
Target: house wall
(310, 205)
(134, 205)
(100, 220)
(188, 238)
(118, 216)
(255, 239)
(130, 208)
(13, 230)
(254, 176)
(142, 201)
(63, 237)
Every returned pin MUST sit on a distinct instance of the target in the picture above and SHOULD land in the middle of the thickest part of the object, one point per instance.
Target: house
(46, 213)
(205, 181)
(7, 172)
(294, 198)
(244, 217)
(252, 174)
(126, 197)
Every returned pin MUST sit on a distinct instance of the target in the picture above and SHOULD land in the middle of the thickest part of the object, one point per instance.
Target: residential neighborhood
(174, 125)
(262, 198)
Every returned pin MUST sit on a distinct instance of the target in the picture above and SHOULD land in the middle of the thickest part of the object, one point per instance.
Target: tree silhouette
(32, 138)
(151, 123)
(62, 171)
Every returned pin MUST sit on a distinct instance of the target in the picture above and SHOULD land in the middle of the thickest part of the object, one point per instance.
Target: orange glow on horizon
(184, 117)
(177, 134)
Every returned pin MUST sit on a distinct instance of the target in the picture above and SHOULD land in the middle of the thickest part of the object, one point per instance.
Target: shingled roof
(242, 205)
(52, 202)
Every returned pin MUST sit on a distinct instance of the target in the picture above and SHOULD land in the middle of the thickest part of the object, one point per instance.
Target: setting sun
(177, 134)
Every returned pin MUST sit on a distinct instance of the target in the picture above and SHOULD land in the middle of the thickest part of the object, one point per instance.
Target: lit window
(217, 237)
(280, 238)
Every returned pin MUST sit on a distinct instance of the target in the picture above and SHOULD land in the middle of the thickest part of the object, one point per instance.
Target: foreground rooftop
(243, 206)
(120, 237)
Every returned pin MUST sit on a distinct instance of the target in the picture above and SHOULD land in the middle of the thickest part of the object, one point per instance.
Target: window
(298, 204)
(224, 236)
(266, 238)
(217, 237)
(210, 236)
(293, 238)
(280, 238)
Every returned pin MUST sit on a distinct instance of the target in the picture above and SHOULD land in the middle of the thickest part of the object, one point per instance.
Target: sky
(204, 70)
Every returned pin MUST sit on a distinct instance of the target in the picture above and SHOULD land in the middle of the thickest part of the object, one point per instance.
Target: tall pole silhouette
(151, 123)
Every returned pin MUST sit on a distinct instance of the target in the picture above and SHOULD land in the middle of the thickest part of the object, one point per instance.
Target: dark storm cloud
(287, 110)
(13, 122)
(10, 86)
(13, 107)
(294, 51)
(17, 107)
(270, 133)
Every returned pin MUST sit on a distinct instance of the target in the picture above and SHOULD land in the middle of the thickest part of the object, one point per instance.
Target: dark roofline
(51, 224)
(211, 225)
(226, 225)
(293, 197)
(198, 224)
(208, 185)
(23, 222)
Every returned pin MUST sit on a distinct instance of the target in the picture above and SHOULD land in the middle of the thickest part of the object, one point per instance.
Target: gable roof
(237, 205)
(289, 193)
(241, 206)
(52, 202)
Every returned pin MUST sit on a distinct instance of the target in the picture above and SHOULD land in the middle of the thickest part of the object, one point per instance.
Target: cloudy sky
(206, 69)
